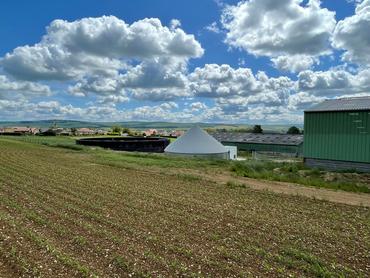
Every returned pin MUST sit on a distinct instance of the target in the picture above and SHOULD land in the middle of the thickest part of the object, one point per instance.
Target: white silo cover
(196, 141)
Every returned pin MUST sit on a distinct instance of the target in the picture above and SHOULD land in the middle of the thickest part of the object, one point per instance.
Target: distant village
(86, 131)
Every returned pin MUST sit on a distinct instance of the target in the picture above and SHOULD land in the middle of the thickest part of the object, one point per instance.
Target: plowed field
(63, 213)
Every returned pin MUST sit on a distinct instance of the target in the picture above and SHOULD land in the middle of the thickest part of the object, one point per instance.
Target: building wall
(267, 147)
(343, 136)
(337, 165)
(205, 156)
(233, 152)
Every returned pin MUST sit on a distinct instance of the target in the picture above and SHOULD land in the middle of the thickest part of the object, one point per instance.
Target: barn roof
(342, 104)
(196, 141)
(254, 138)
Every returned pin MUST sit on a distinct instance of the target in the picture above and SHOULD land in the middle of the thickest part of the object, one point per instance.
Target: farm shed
(196, 142)
(337, 134)
(276, 143)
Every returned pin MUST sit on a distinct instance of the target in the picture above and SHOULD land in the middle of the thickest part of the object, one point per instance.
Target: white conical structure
(197, 142)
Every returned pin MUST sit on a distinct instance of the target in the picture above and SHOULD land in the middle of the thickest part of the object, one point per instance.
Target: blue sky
(213, 61)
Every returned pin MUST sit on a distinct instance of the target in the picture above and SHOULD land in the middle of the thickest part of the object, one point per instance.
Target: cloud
(295, 63)
(98, 85)
(213, 27)
(114, 66)
(175, 23)
(154, 79)
(45, 61)
(7, 85)
(156, 73)
(163, 94)
(352, 34)
(169, 105)
(107, 56)
(97, 46)
(214, 80)
(303, 100)
(217, 81)
(112, 99)
(198, 106)
(334, 83)
(239, 94)
(279, 28)
(219, 3)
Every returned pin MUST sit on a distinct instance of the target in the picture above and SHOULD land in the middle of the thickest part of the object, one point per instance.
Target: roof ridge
(342, 104)
(349, 98)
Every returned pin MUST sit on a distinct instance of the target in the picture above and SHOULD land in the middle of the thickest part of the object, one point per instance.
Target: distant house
(66, 132)
(151, 132)
(85, 131)
(19, 130)
(22, 130)
(162, 132)
(34, 130)
(177, 133)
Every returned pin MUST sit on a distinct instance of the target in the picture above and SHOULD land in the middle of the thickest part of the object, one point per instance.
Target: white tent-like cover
(197, 142)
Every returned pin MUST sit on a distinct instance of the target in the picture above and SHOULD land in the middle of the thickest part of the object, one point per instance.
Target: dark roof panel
(342, 104)
(275, 139)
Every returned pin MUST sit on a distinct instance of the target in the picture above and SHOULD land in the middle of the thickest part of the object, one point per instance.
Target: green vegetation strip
(294, 172)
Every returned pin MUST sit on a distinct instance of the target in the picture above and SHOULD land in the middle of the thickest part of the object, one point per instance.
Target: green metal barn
(337, 134)
(273, 143)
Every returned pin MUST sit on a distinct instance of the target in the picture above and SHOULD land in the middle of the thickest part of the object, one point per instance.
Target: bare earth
(72, 214)
(341, 197)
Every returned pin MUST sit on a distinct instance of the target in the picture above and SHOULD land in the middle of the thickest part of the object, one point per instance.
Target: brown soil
(62, 215)
(6, 271)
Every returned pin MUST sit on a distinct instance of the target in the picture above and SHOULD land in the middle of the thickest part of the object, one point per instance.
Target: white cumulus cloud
(295, 63)
(7, 85)
(352, 34)
(97, 46)
(280, 28)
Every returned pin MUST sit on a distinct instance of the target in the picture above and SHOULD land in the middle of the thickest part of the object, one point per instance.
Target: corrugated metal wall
(267, 147)
(337, 135)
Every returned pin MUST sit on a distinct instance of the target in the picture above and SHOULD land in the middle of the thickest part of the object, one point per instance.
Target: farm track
(62, 214)
(336, 196)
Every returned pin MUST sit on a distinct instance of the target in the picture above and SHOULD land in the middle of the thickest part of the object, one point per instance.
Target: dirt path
(348, 198)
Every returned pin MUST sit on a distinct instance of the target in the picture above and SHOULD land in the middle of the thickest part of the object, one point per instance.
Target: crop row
(77, 216)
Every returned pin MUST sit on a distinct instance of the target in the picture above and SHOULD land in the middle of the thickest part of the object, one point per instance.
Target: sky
(247, 62)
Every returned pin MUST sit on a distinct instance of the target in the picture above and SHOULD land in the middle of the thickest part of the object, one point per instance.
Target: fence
(275, 156)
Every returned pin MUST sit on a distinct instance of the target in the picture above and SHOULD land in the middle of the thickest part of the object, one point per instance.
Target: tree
(293, 130)
(74, 131)
(116, 129)
(126, 130)
(257, 129)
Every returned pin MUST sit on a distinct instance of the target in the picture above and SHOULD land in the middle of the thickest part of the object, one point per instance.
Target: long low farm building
(275, 143)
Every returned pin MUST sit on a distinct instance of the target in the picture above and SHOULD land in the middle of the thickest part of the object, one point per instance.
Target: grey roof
(342, 104)
(274, 139)
(196, 141)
